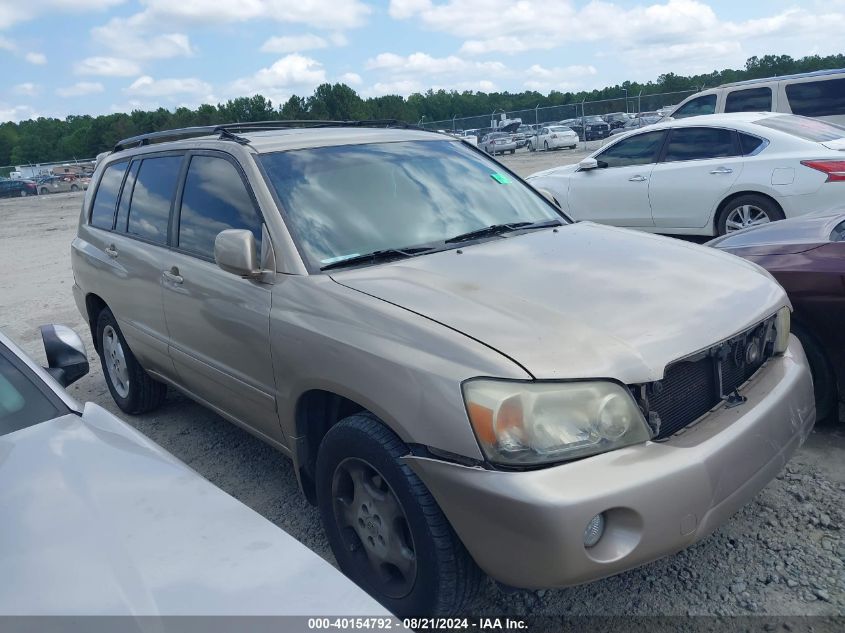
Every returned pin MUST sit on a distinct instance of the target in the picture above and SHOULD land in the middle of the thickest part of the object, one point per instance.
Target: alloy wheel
(374, 527)
(115, 361)
(744, 216)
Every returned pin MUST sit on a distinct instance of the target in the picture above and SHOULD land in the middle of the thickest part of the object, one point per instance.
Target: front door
(617, 191)
(219, 323)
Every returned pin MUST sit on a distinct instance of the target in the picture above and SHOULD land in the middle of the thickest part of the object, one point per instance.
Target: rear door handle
(637, 178)
(111, 251)
(722, 170)
(173, 276)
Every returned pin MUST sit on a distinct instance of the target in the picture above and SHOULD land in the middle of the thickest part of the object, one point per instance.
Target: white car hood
(588, 301)
(99, 520)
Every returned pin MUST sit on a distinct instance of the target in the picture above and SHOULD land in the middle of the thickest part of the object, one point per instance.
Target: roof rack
(227, 131)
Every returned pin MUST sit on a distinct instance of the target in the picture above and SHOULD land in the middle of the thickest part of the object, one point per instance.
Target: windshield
(342, 201)
(804, 127)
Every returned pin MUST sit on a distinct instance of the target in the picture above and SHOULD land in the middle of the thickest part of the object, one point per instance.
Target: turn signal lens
(782, 325)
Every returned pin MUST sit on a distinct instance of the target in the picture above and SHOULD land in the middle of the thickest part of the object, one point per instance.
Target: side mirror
(67, 361)
(236, 253)
(588, 163)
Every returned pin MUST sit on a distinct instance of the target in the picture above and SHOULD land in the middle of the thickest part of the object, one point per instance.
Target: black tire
(766, 205)
(546, 145)
(143, 393)
(44, 191)
(445, 576)
(23, 193)
(513, 151)
(74, 188)
(824, 378)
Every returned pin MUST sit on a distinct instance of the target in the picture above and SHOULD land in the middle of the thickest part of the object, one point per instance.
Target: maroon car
(807, 256)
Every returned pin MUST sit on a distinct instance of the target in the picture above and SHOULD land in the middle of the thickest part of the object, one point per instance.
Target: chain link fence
(632, 104)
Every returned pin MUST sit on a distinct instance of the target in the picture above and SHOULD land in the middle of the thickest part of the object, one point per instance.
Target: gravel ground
(782, 555)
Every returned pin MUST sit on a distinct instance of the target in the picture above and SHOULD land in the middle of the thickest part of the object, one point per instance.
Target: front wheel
(44, 191)
(824, 377)
(131, 387)
(386, 530)
(23, 193)
(746, 211)
(74, 188)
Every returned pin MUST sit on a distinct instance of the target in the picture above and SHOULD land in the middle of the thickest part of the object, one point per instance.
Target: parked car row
(42, 185)
(559, 427)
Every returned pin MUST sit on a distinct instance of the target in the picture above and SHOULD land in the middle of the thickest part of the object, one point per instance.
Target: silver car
(465, 379)
(99, 520)
(499, 143)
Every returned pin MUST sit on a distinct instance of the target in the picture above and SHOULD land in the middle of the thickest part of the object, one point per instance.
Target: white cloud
(7, 45)
(27, 89)
(137, 39)
(566, 78)
(293, 43)
(146, 86)
(676, 35)
(277, 82)
(107, 67)
(16, 113)
(36, 58)
(351, 79)
(13, 12)
(80, 89)
(428, 65)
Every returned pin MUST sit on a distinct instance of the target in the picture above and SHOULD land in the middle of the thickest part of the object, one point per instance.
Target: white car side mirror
(588, 163)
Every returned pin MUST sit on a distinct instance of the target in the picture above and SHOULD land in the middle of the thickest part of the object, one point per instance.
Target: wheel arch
(94, 304)
(714, 221)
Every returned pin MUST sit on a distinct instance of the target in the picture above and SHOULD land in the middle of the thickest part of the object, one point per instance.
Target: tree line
(83, 136)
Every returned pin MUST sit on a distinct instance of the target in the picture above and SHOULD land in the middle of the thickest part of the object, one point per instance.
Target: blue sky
(62, 57)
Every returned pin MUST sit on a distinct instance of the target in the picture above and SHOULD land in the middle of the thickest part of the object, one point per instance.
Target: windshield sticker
(339, 258)
(500, 178)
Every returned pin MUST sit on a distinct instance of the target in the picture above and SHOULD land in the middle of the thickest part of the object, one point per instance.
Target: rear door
(698, 167)
(617, 191)
(219, 323)
(135, 249)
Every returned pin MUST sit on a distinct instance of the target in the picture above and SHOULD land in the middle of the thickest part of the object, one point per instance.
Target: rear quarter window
(804, 127)
(817, 98)
(105, 200)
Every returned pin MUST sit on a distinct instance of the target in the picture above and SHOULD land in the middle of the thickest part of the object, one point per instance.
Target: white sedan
(553, 137)
(706, 175)
(99, 520)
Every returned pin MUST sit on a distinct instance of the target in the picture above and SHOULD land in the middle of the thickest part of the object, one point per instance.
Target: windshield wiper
(382, 255)
(498, 229)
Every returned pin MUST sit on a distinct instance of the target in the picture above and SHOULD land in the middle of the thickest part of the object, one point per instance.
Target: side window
(105, 200)
(697, 143)
(126, 196)
(215, 199)
(817, 98)
(749, 100)
(701, 105)
(149, 210)
(641, 149)
(750, 144)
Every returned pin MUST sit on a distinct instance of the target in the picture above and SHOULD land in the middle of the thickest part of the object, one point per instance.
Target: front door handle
(637, 178)
(173, 276)
(111, 251)
(722, 170)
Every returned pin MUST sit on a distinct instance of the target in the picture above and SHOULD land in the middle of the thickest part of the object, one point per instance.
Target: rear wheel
(385, 529)
(132, 388)
(44, 191)
(74, 188)
(746, 211)
(23, 193)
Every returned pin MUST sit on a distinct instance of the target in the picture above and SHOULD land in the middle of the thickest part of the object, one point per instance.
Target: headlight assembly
(531, 423)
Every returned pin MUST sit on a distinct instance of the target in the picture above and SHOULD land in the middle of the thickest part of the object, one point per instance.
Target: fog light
(594, 530)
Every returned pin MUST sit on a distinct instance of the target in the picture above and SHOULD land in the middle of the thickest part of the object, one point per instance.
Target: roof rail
(227, 130)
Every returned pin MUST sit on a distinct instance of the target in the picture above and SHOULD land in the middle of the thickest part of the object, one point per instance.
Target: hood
(587, 301)
(99, 520)
(786, 237)
(554, 171)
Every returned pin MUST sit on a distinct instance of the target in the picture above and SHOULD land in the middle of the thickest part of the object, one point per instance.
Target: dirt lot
(784, 554)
